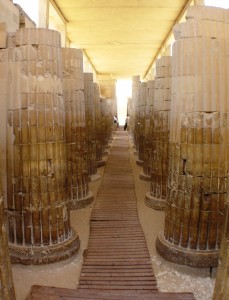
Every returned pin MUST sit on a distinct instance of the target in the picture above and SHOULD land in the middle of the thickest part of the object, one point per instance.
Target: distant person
(127, 122)
(116, 121)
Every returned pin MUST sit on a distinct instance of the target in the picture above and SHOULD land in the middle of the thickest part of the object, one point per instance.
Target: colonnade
(189, 143)
(56, 126)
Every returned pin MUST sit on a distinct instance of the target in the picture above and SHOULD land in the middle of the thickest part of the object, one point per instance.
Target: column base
(139, 162)
(144, 176)
(82, 202)
(186, 256)
(94, 177)
(101, 163)
(155, 203)
(37, 255)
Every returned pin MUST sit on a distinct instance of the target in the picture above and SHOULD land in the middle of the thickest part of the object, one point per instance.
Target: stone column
(90, 126)
(37, 206)
(198, 158)
(73, 85)
(6, 278)
(107, 86)
(156, 198)
(142, 117)
(221, 291)
(135, 118)
(98, 127)
(149, 122)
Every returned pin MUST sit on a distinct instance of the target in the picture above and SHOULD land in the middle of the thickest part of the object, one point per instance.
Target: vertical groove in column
(73, 86)
(37, 207)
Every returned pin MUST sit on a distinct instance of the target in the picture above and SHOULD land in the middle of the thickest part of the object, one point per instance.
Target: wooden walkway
(117, 262)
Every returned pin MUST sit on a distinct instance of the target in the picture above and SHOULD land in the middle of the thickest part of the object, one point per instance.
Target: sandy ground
(171, 277)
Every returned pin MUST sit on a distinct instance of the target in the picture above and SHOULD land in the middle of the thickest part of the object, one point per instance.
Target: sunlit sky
(123, 91)
(30, 7)
(218, 3)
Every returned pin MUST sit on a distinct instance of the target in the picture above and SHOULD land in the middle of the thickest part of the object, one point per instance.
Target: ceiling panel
(120, 37)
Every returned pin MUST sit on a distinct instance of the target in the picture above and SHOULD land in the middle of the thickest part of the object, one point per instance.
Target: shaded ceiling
(120, 37)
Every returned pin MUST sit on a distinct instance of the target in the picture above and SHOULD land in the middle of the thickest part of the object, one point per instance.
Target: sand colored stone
(73, 90)
(37, 207)
(6, 279)
(156, 197)
(149, 124)
(198, 154)
(90, 124)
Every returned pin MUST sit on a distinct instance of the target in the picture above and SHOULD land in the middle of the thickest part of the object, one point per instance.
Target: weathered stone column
(6, 278)
(149, 123)
(156, 198)
(135, 118)
(73, 85)
(37, 206)
(221, 291)
(98, 127)
(142, 117)
(90, 126)
(107, 86)
(198, 162)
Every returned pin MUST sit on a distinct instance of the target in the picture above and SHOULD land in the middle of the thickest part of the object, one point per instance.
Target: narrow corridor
(117, 262)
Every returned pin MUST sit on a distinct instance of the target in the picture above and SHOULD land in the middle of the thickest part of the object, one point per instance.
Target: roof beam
(58, 10)
(89, 60)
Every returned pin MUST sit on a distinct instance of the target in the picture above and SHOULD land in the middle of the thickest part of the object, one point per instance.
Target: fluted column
(142, 117)
(90, 126)
(37, 206)
(98, 127)
(198, 158)
(149, 123)
(6, 278)
(135, 118)
(73, 85)
(156, 198)
(221, 291)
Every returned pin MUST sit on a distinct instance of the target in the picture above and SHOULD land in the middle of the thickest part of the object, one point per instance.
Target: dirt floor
(171, 277)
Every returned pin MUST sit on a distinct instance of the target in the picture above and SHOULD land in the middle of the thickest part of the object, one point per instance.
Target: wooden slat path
(117, 262)
(117, 256)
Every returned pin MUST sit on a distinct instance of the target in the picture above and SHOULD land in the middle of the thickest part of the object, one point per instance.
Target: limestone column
(135, 118)
(156, 198)
(107, 86)
(90, 126)
(109, 121)
(98, 127)
(142, 118)
(37, 206)
(73, 86)
(149, 123)
(221, 291)
(198, 157)
(6, 278)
